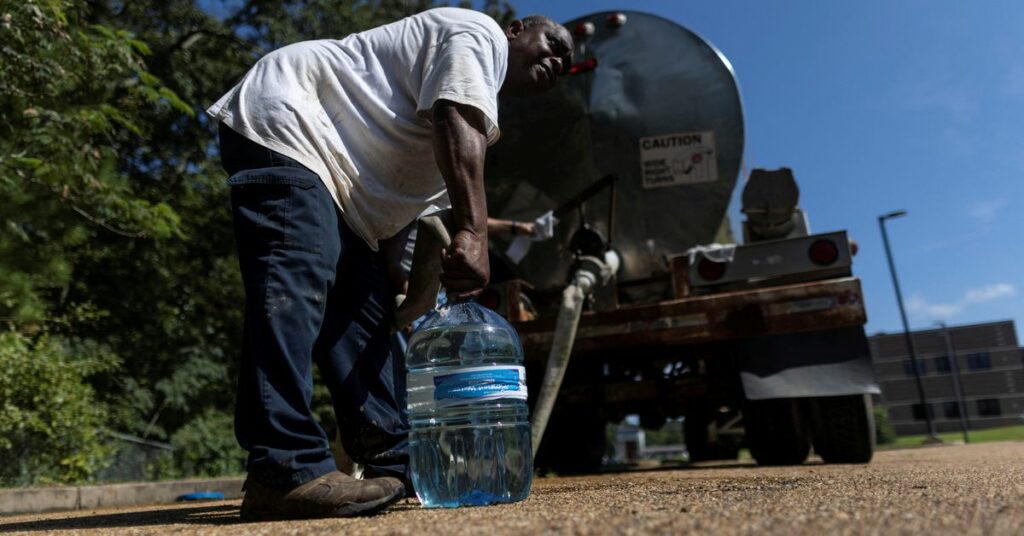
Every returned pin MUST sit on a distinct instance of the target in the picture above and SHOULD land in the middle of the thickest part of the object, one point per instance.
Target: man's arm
(460, 144)
(509, 227)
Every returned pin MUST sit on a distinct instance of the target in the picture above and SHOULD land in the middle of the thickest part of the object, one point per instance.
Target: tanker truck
(637, 154)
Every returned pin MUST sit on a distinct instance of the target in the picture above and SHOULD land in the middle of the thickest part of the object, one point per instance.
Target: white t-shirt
(356, 111)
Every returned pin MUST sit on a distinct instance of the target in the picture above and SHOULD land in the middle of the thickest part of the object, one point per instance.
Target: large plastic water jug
(470, 438)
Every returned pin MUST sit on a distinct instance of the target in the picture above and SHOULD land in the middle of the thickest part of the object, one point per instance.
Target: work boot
(332, 495)
(371, 473)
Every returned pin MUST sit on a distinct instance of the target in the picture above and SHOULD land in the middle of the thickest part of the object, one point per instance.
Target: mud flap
(821, 363)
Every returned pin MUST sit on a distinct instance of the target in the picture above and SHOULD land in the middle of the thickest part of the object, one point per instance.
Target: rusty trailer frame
(794, 308)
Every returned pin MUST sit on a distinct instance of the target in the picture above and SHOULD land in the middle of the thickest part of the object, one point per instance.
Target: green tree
(116, 228)
(180, 362)
(50, 423)
(70, 93)
(671, 433)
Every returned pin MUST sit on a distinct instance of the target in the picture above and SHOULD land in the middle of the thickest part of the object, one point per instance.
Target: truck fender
(797, 365)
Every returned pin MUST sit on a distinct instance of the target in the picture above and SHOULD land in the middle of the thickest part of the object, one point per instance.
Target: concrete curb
(36, 500)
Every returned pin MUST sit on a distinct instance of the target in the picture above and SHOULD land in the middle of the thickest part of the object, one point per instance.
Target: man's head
(539, 51)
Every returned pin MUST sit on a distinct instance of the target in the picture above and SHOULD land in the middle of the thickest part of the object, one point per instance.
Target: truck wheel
(776, 432)
(573, 443)
(701, 449)
(843, 428)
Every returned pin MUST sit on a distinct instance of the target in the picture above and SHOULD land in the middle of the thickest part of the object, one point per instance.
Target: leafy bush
(206, 446)
(50, 422)
(884, 432)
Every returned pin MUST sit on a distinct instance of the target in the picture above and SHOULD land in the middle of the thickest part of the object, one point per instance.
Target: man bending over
(333, 147)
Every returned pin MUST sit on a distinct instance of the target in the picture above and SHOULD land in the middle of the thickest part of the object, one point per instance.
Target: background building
(629, 442)
(991, 366)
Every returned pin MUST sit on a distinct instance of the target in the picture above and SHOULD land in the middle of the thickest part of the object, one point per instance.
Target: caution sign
(682, 158)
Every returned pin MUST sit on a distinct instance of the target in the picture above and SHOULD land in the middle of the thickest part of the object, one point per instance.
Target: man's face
(537, 56)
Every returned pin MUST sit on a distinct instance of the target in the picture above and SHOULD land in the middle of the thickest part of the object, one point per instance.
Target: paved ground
(974, 489)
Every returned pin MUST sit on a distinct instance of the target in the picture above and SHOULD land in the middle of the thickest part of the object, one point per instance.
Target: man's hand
(465, 265)
(392, 249)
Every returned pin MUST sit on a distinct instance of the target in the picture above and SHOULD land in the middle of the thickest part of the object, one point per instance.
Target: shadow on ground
(216, 514)
(192, 514)
(682, 466)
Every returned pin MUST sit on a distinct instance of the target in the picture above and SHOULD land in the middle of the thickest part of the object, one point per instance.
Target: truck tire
(695, 434)
(776, 432)
(843, 428)
(573, 443)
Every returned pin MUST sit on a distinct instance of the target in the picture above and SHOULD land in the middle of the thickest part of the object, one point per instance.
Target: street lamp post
(906, 327)
(955, 369)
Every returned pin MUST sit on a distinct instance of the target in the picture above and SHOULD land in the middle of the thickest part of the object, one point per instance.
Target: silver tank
(661, 110)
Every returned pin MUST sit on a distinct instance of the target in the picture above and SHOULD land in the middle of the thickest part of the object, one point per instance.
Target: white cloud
(920, 306)
(991, 292)
(916, 304)
(958, 99)
(987, 210)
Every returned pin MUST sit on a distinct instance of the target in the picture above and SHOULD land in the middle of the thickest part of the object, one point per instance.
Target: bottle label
(467, 385)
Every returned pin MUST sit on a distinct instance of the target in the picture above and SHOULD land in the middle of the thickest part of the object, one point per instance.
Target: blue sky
(883, 105)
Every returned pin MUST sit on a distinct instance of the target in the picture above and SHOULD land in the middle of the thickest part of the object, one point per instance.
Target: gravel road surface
(960, 489)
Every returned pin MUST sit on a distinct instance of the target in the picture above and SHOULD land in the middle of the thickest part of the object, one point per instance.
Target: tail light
(710, 270)
(589, 65)
(616, 20)
(823, 252)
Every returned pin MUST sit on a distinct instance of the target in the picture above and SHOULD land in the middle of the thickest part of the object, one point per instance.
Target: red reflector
(583, 29)
(588, 65)
(710, 270)
(696, 158)
(823, 252)
(490, 299)
(616, 19)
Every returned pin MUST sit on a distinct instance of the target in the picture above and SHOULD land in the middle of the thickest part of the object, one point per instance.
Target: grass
(1006, 433)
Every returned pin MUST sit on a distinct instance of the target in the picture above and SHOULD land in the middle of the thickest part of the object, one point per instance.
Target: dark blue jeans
(314, 292)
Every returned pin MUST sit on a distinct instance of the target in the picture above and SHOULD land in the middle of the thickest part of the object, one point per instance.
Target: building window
(942, 364)
(979, 361)
(989, 407)
(908, 367)
(951, 409)
(918, 411)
